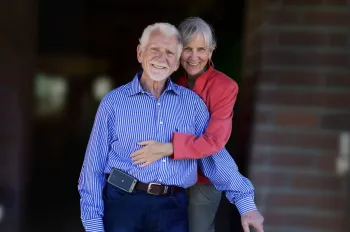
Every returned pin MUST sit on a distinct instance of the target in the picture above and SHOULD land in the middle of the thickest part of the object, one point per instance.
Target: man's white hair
(166, 29)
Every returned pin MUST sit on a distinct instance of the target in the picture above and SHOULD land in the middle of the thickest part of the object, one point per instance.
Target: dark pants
(142, 212)
(203, 204)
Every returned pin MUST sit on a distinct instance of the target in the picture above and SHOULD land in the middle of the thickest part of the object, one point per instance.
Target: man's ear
(139, 53)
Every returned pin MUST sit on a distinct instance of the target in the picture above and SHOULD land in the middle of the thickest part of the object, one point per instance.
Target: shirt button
(160, 180)
(161, 123)
(158, 104)
(164, 161)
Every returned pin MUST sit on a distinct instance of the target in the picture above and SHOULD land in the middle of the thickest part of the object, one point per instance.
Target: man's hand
(151, 152)
(254, 219)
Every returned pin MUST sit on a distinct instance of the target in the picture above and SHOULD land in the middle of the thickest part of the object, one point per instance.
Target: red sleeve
(189, 146)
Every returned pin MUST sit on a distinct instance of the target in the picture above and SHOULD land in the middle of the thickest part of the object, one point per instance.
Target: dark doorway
(80, 43)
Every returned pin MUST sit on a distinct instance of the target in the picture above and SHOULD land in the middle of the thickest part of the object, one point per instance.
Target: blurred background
(291, 59)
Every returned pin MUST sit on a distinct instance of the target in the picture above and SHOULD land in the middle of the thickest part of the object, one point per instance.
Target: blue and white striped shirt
(128, 115)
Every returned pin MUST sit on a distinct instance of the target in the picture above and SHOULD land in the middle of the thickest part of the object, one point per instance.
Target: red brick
(297, 139)
(305, 59)
(302, 2)
(316, 182)
(306, 38)
(338, 39)
(281, 17)
(304, 98)
(291, 160)
(292, 78)
(258, 158)
(326, 18)
(303, 78)
(321, 222)
(265, 117)
(337, 2)
(315, 2)
(333, 79)
(336, 121)
(290, 98)
(329, 203)
(326, 163)
(302, 38)
(339, 100)
(294, 118)
(269, 179)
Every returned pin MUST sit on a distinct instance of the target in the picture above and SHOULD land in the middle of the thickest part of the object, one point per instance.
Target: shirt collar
(137, 88)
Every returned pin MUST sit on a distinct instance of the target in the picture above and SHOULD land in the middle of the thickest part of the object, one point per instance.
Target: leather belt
(157, 189)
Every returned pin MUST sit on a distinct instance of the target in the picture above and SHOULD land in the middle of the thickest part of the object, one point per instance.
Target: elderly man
(117, 195)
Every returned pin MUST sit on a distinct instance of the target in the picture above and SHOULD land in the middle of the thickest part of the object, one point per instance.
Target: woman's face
(195, 55)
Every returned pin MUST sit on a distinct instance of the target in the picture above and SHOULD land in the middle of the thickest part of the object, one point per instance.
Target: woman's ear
(212, 50)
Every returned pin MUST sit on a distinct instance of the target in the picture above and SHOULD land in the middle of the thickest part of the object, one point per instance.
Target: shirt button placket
(160, 131)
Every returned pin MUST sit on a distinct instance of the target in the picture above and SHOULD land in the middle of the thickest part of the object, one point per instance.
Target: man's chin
(154, 78)
(159, 77)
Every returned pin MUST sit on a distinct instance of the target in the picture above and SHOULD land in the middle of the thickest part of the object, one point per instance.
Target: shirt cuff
(246, 204)
(94, 225)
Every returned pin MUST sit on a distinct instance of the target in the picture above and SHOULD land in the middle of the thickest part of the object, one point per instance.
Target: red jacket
(219, 93)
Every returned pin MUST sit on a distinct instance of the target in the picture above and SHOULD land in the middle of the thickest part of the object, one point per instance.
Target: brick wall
(297, 59)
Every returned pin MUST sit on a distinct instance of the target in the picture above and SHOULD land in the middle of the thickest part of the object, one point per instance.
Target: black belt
(157, 189)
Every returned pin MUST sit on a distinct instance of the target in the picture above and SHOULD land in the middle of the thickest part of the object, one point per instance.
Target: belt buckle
(149, 188)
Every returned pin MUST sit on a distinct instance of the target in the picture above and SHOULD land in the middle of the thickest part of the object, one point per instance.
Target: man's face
(159, 57)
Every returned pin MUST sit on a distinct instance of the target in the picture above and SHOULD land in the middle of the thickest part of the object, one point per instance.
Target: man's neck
(156, 88)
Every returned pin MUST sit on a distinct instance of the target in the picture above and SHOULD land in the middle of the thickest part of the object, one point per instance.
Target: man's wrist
(94, 225)
(245, 205)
